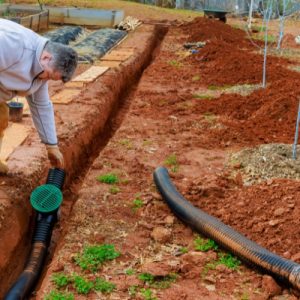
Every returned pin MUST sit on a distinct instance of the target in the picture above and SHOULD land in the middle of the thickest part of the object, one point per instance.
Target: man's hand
(55, 156)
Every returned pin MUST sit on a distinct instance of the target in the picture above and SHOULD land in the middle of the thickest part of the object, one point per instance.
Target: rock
(274, 222)
(210, 287)
(279, 211)
(296, 257)
(270, 286)
(156, 268)
(287, 255)
(161, 234)
(169, 220)
(156, 196)
(194, 258)
(210, 279)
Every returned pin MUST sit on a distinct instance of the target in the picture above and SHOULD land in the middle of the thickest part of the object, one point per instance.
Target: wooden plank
(65, 96)
(91, 74)
(117, 55)
(108, 63)
(75, 84)
(14, 136)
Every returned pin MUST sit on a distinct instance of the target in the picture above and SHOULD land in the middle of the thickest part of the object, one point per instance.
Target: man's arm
(43, 118)
(43, 114)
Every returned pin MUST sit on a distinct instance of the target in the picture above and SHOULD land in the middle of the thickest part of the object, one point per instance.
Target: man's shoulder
(13, 49)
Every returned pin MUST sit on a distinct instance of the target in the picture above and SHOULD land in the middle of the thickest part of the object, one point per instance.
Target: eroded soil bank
(79, 126)
(171, 119)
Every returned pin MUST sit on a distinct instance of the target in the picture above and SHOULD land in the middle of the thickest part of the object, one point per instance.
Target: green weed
(114, 190)
(209, 117)
(159, 282)
(108, 178)
(183, 250)
(172, 162)
(226, 259)
(93, 256)
(82, 285)
(127, 143)
(261, 37)
(137, 203)
(196, 78)
(245, 296)
(55, 295)
(229, 260)
(217, 88)
(162, 103)
(60, 279)
(256, 28)
(132, 290)
(146, 143)
(147, 294)
(146, 277)
(129, 272)
(205, 245)
(175, 63)
(104, 286)
(203, 96)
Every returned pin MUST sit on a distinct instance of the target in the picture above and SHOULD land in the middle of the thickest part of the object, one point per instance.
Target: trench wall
(80, 127)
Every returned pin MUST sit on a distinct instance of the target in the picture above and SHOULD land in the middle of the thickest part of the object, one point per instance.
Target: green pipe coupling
(46, 198)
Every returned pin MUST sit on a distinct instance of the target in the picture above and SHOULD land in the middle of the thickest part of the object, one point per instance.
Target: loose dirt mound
(266, 162)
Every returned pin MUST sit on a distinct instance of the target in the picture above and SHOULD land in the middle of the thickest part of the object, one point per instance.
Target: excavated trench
(84, 126)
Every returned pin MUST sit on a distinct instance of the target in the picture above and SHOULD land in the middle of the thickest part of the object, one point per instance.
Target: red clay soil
(162, 117)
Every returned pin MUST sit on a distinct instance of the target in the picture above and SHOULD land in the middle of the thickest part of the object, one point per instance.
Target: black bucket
(15, 111)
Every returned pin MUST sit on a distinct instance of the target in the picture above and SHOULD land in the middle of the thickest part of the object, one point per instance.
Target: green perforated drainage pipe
(46, 200)
(224, 235)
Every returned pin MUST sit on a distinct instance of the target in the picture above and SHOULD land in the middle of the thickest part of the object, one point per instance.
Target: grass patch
(158, 282)
(147, 294)
(137, 203)
(230, 261)
(261, 37)
(205, 245)
(82, 285)
(60, 279)
(114, 190)
(203, 96)
(108, 178)
(226, 259)
(104, 286)
(132, 290)
(171, 161)
(258, 28)
(130, 272)
(94, 256)
(183, 250)
(56, 295)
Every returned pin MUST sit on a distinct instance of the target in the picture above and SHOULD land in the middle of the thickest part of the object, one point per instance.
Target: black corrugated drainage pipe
(224, 235)
(46, 200)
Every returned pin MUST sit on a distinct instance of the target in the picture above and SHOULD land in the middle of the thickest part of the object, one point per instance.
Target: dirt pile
(229, 57)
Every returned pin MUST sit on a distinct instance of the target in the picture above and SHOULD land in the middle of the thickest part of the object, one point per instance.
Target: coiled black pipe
(40, 242)
(224, 235)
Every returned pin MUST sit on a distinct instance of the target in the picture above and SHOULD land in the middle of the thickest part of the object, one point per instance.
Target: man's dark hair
(64, 59)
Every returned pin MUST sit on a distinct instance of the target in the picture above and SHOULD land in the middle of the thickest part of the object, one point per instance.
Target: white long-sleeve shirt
(20, 52)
